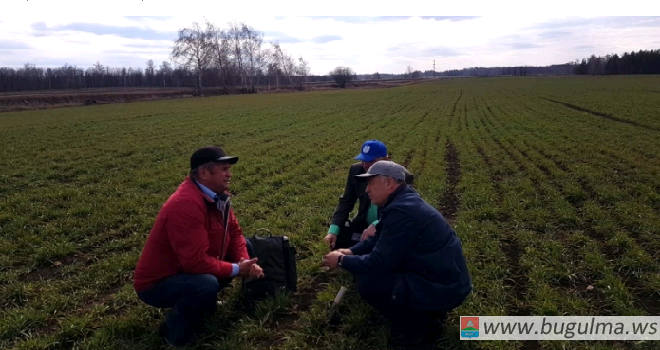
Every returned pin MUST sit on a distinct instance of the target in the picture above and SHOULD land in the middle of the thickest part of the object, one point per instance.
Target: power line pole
(434, 68)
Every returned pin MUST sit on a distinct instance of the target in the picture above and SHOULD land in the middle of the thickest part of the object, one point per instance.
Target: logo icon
(365, 149)
(469, 327)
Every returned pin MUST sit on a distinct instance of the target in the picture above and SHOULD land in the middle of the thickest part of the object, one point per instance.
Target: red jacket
(187, 237)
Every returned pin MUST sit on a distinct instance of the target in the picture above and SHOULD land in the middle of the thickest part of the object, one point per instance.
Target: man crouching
(195, 247)
(413, 270)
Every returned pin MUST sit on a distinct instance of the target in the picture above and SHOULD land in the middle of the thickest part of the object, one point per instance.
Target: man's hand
(345, 251)
(332, 259)
(245, 267)
(368, 232)
(331, 239)
(255, 270)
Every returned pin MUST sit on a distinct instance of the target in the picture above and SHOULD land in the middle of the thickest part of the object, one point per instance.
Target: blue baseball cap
(371, 150)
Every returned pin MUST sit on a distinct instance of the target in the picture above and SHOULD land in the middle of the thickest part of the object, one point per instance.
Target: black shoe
(165, 332)
(436, 329)
(409, 341)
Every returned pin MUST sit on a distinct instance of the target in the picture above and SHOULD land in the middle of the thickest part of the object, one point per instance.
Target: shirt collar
(208, 192)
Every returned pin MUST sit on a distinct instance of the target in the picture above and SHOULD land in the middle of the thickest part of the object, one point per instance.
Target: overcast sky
(386, 44)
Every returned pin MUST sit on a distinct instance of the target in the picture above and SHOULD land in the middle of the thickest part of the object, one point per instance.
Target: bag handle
(263, 229)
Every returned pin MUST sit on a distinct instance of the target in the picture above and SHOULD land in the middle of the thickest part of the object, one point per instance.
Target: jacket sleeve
(346, 201)
(237, 248)
(399, 229)
(190, 241)
(365, 247)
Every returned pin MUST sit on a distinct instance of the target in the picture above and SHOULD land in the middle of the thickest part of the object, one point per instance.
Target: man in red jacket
(195, 247)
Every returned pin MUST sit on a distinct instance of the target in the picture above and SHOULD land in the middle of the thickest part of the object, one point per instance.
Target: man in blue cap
(342, 232)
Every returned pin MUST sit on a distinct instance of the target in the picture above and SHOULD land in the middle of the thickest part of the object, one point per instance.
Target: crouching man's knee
(207, 286)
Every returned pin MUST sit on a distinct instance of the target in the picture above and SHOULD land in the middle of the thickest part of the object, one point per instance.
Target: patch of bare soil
(450, 201)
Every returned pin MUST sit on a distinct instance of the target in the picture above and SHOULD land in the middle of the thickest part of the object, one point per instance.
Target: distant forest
(283, 72)
(642, 62)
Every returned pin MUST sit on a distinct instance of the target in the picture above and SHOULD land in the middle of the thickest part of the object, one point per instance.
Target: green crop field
(552, 183)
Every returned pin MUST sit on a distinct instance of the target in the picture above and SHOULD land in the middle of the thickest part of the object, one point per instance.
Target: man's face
(216, 176)
(379, 189)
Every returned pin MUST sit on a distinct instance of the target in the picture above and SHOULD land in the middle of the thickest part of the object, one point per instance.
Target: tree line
(235, 56)
(642, 62)
(557, 69)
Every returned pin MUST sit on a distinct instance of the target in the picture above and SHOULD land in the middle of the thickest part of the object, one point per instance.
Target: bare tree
(254, 55)
(342, 75)
(150, 72)
(273, 71)
(98, 68)
(220, 51)
(303, 71)
(235, 37)
(165, 70)
(192, 50)
(409, 72)
(284, 61)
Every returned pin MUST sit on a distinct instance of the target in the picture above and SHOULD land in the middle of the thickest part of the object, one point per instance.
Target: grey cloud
(412, 50)
(613, 22)
(78, 42)
(522, 46)
(631, 21)
(584, 47)
(553, 34)
(391, 18)
(153, 18)
(564, 23)
(142, 51)
(148, 44)
(361, 19)
(449, 18)
(282, 38)
(13, 45)
(441, 52)
(102, 29)
(39, 26)
(323, 39)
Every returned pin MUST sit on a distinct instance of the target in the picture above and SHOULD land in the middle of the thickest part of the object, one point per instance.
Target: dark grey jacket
(417, 245)
(354, 191)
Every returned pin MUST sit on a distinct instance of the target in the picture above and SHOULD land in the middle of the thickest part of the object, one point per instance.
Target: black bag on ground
(277, 258)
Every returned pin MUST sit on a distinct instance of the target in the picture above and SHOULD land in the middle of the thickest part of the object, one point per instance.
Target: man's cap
(210, 154)
(371, 150)
(384, 168)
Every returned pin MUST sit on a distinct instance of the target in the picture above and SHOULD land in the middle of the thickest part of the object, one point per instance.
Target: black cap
(210, 154)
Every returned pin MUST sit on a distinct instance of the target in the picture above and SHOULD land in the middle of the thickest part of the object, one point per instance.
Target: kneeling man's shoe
(416, 341)
(165, 332)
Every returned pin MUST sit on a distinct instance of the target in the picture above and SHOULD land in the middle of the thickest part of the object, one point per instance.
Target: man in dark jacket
(363, 225)
(195, 247)
(413, 270)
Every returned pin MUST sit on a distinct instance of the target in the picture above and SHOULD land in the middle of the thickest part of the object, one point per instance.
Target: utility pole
(434, 68)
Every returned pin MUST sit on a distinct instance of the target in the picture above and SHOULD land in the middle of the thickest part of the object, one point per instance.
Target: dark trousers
(347, 233)
(191, 297)
(377, 291)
